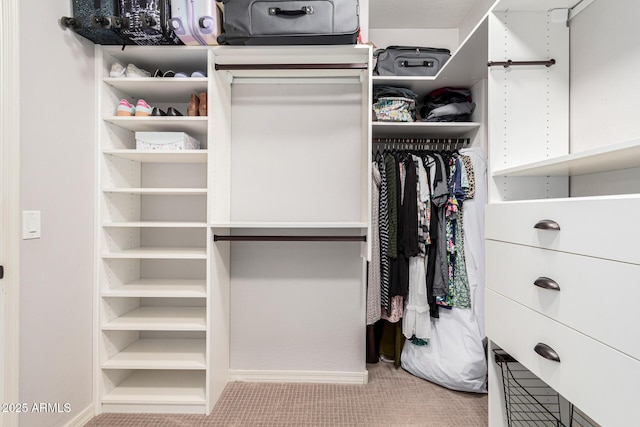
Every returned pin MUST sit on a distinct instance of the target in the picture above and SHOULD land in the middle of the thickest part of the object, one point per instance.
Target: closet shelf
(192, 125)
(534, 5)
(290, 225)
(160, 354)
(159, 191)
(156, 224)
(161, 156)
(158, 253)
(155, 90)
(149, 318)
(422, 129)
(152, 387)
(467, 66)
(613, 157)
(160, 288)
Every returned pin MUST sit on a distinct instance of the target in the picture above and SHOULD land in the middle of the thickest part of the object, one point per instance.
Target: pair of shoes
(197, 105)
(170, 112)
(119, 70)
(126, 109)
(194, 74)
(160, 73)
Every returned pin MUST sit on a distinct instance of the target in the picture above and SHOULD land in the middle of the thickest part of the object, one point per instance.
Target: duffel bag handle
(305, 10)
(428, 64)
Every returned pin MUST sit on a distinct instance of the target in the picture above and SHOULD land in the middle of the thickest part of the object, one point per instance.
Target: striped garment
(383, 216)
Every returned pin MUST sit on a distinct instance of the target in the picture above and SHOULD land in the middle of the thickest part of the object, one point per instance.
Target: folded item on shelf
(166, 141)
(448, 105)
(395, 109)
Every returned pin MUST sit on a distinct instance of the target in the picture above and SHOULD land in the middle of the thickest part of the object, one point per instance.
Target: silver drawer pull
(547, 224)
(547, 352)
(546, 283)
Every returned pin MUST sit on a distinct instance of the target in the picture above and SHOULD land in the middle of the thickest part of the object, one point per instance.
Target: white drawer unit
(593, 296)
(561, 227)
(604, 227)
(589, 373)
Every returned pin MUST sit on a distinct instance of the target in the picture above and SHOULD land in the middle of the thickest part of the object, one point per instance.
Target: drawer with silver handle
(604, 227)
(594, 296)
(585, 371)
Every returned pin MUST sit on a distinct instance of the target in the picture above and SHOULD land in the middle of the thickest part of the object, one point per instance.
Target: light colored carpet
(392, 397)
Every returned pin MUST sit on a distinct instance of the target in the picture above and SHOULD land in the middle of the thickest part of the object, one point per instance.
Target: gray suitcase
(409, 61)
(290, 22)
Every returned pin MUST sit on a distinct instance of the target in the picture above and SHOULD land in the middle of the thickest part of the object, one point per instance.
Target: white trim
(575, 10)
(320, 377)
(82, 418)
(10, 169)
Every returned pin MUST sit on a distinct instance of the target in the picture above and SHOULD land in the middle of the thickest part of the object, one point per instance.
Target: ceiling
(418, 13)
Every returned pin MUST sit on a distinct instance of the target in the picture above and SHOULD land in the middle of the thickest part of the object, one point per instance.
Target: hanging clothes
(416, 318)
(383, 220)
(473, 232)
(374, 273)
(457, 275)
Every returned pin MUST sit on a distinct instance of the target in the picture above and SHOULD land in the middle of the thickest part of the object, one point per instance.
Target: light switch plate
(30, 225)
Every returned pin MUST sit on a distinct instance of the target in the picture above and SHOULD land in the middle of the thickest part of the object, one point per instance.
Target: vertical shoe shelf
(153, 334)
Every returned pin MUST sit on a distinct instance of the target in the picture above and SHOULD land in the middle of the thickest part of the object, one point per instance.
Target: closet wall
(57, 178)
(604, 95)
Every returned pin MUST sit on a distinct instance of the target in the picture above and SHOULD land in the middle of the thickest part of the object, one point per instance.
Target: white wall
(57, 178)
(605, 57)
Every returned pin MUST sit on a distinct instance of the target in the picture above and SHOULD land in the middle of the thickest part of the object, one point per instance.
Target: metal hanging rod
(338, 66)
(218, 238)
(421, 144)
(508, 63)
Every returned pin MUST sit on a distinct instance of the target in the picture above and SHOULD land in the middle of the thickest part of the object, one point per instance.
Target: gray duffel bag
(410, 61)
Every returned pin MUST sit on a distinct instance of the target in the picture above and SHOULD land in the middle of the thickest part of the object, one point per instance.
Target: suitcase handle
(304, 10)
(428, 64)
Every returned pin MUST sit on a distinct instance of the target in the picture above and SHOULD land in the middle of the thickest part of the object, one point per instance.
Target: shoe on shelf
(158, 73)
(202, 108)
(173, 112)
(117, 70)
(193, 109)
(181, 74)
(125, 108)
(157, 112)
(198, 74)
(133, 71)
(143, 109)
(169, 73)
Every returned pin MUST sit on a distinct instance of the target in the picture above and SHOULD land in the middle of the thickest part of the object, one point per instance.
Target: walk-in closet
(262, 250)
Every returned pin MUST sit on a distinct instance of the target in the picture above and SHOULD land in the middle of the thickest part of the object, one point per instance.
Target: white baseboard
(323, 377)
(82, 418)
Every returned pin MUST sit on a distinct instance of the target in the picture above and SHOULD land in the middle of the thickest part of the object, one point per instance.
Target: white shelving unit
(622, 155)
(154, 337)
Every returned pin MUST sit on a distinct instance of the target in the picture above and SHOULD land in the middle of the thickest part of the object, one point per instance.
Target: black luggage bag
(148, 22)
(290, 22)
(96, 20)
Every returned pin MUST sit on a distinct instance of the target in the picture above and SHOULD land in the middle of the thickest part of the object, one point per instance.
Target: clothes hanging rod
(338, 66)
(508, 63)
(464, 141)
(219, 238)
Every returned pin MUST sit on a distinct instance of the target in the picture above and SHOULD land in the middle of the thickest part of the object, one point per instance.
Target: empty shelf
(160, 354)
(167, 387)
(159, 191)
(161, 156)
(158, 253)
(160, 288)
(148, 318)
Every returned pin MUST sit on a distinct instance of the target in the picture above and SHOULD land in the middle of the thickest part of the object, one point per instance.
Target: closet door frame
(9, 214)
